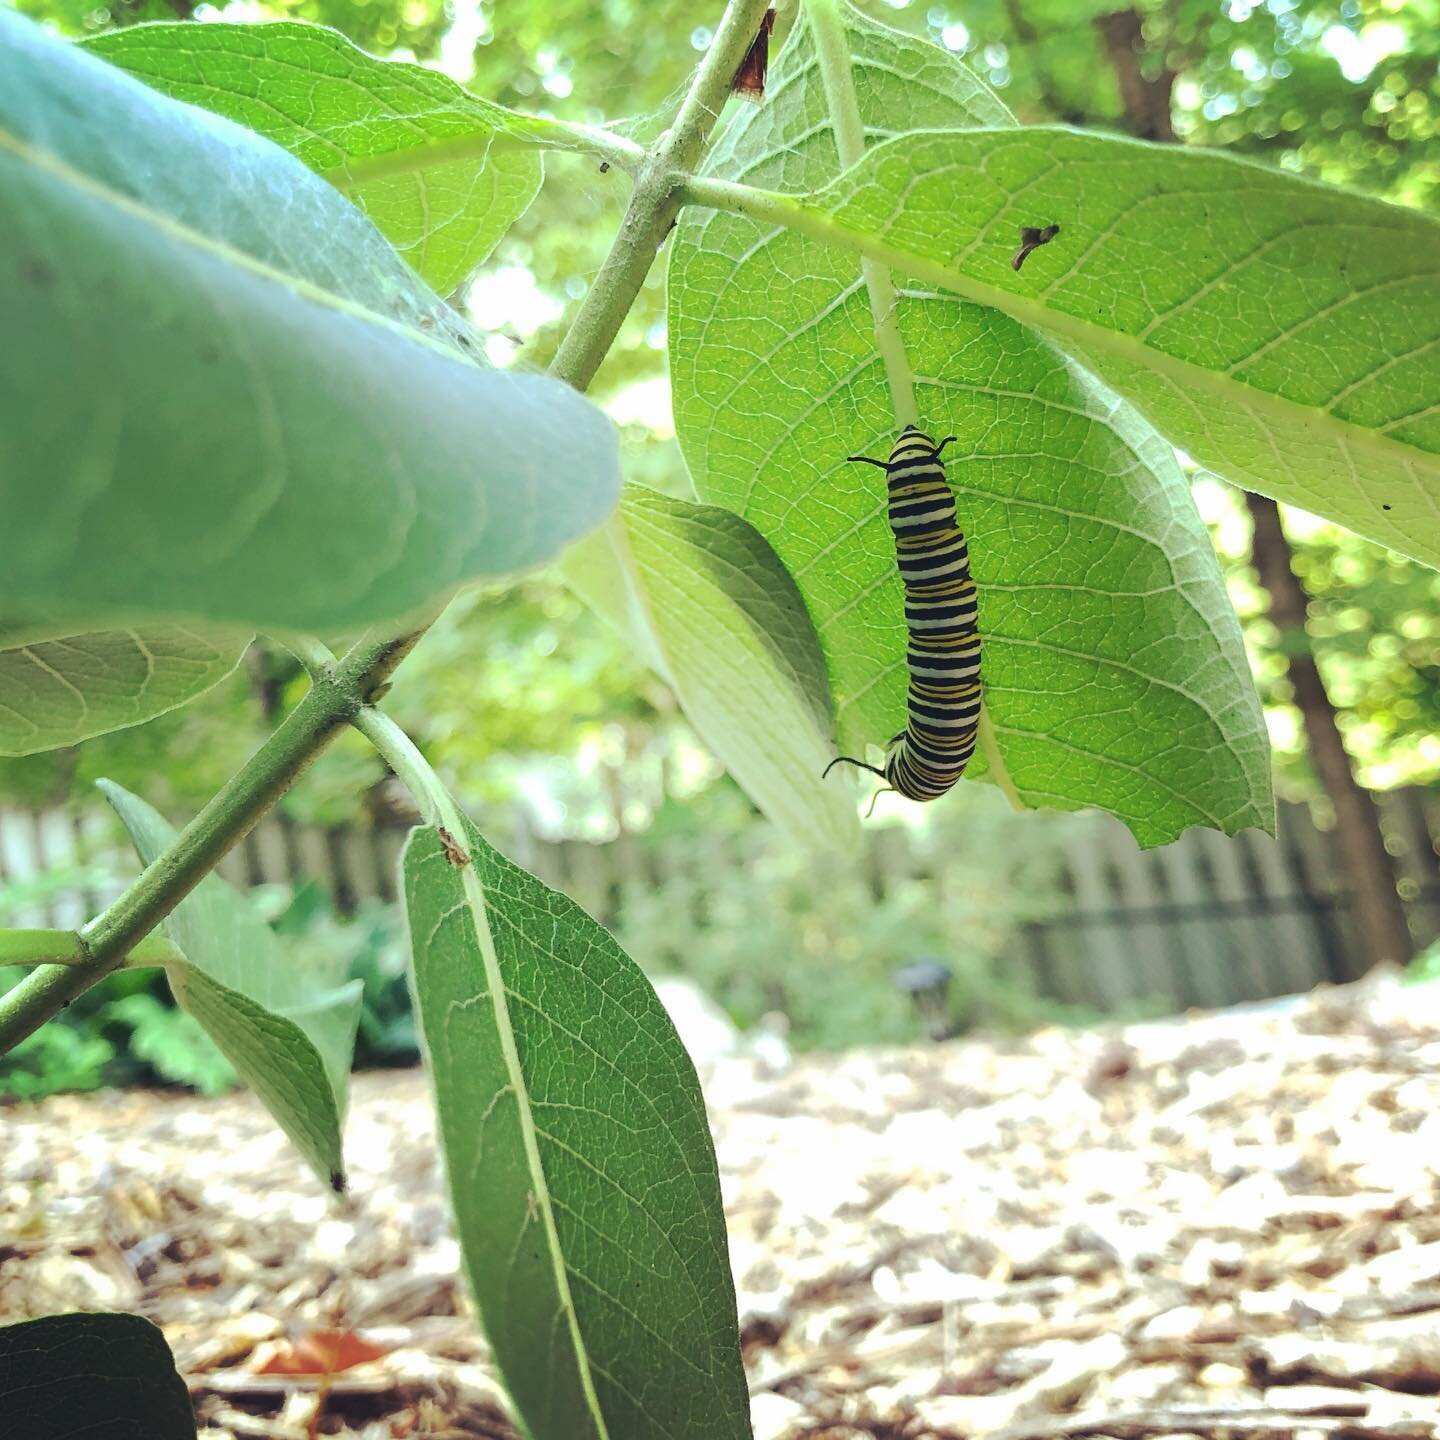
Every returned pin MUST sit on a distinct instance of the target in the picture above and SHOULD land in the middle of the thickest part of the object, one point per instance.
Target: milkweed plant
(232, 401)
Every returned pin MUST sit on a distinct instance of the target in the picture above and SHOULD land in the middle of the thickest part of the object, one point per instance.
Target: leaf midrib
(474, 895)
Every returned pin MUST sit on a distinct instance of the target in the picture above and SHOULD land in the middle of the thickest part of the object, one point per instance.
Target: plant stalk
(333, 700)
(832, 46)
(656, 199)
(65, 947)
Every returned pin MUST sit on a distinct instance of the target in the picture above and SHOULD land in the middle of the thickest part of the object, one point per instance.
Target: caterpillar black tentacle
(943, 648)
(851, 760)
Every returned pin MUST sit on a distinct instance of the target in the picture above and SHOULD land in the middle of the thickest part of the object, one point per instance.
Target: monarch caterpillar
(943, 648)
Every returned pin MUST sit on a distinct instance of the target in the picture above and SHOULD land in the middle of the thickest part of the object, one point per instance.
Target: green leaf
(59, 690)
(328, 102)
(1285, 333)
(234, 402)
(723, 622)
(581, 1167)
(67, 1376)
(1113, 668)
(288, 1031)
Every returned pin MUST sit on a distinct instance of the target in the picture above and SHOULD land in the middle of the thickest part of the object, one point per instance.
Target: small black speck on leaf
(604, 167)
(337, 1182)
(1384, 507)
(455, 852)
(1032, 237)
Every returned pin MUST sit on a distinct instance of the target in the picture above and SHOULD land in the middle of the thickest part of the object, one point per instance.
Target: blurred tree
(1381, 926)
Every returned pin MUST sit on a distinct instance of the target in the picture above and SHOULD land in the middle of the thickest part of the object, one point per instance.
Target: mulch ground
(1228, 1226)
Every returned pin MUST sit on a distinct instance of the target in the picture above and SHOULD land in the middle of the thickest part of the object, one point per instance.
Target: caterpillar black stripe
(943, 649)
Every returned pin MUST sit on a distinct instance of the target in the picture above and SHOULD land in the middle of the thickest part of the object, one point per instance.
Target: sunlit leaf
(730, 633)
(1284, 333)
(1113, 668)
(61, 689)
(328, 102)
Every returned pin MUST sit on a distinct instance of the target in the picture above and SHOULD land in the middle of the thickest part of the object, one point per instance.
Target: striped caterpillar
(943, 649)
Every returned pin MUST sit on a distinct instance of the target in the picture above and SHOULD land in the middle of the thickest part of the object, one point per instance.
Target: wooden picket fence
(1207, 921)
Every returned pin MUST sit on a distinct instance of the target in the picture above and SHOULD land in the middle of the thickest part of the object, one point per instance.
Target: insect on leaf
(1113, 668)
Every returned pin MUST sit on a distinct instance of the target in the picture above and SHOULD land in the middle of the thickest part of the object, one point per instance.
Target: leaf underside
(580, 1163)
(286, 1027)
(1284, 333)
(1113, 667)
(63, 689)
(235, 403)
(731, 635)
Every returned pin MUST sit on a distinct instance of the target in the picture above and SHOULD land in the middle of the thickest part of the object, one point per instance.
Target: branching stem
(332, 701)
(656, 199)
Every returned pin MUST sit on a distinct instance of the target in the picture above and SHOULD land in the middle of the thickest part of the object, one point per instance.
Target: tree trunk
(1146, 101)
(1369, 875)
(1375, 904)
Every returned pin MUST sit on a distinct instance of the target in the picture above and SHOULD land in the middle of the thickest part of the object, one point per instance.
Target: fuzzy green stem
(317, 658)
(65, 947)
(411, 768)
(331, 703)
(655, 200)
(832, 47)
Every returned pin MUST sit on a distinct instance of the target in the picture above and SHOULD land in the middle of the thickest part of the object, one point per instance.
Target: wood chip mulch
(1222, 1227)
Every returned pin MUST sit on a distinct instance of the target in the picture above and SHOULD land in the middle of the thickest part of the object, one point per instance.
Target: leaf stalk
(65, 947)
(832, 46)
